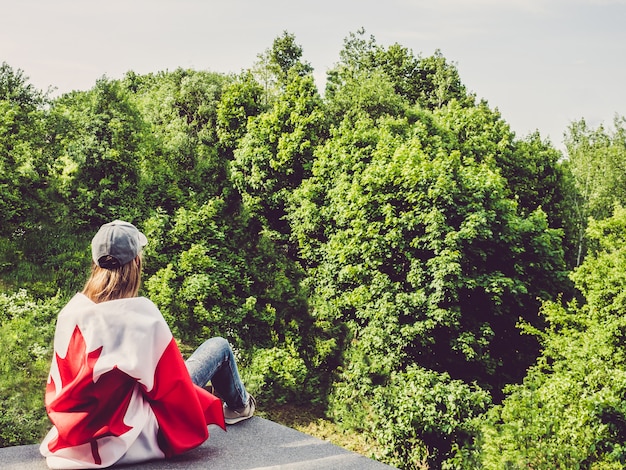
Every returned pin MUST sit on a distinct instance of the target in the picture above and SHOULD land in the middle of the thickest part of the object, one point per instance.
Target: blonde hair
(110, 284)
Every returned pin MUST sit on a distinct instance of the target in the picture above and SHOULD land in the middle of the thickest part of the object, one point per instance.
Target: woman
(119, 390)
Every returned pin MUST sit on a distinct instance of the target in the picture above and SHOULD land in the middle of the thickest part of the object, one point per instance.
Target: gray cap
(117, 243)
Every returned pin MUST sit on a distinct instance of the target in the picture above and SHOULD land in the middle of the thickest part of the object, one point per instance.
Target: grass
(312, 421)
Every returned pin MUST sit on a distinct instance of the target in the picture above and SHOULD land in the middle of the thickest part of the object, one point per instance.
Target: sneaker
(234, 416)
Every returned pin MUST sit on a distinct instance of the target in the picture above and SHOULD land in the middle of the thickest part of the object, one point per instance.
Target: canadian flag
(119, 390)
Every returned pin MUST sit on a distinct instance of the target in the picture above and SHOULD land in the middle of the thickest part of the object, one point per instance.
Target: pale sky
(542, 63)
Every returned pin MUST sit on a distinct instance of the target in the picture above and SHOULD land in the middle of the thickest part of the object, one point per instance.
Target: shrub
(26, 332)
(570, 411)
(276, 374)
(418, 416)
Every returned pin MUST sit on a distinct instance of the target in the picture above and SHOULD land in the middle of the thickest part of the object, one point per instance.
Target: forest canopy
(387, 248)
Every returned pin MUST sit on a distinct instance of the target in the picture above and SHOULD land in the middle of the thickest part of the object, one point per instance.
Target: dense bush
(417, 248)
(217, 274)
(570, 411)
(26, 330)
(417, 416)
(280, 375)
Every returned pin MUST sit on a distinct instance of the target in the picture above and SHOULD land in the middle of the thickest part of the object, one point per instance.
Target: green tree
(596, 159)
(418, 254)
(429, 82)
(275, 64)
(285, 56)
(536, 177)
(569, 412)
(358, 85)
(214, 273)
(32, 207)
(277, 152)
(25, 153)
(438, 83)
(181, 160)
(365, 93)
(240, 101)
(100, 159)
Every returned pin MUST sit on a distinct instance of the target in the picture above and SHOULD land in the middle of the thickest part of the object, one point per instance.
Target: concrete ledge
(253, 444)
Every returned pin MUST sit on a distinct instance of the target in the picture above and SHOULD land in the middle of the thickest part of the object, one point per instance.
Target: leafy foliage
(569, 412)
(214, 274)
(276, 153)
(407, 236)
(26, 329)
(240, 101)
(372, 251)
(25, 161)
(429, 82)
(181, 162)
(596, 163)
(102, 171)
(416, 416)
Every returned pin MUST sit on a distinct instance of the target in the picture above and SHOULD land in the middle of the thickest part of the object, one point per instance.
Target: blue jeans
(214, 361)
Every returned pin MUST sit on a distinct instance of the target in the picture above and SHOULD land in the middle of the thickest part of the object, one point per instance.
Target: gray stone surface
(253, 444)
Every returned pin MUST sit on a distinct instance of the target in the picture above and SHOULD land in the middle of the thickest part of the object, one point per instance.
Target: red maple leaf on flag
(84, 410)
